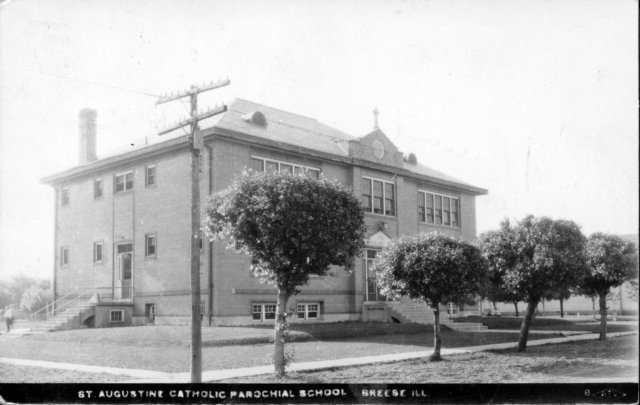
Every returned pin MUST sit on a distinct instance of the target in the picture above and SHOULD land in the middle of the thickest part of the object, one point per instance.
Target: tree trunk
(593, 306)
(561, 308)
(437, 340)
(280, 334)
(603, 315)
(526, 322)
(515, 304)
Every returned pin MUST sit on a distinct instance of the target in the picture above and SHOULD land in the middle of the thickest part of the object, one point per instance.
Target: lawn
(180, 336)
(616, 358)
(512, 322)
(124, 347)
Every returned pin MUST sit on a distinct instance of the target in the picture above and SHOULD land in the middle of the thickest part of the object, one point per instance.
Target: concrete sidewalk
(150, 376)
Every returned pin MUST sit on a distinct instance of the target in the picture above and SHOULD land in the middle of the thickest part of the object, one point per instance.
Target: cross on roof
(375, 118)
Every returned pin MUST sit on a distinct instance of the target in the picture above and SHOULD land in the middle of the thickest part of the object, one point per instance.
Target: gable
(378, 239)
(376, 147)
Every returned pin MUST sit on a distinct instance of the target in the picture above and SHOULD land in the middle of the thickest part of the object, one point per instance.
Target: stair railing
(62, 302)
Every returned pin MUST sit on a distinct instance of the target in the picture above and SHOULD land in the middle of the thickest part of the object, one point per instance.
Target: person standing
(8, 319)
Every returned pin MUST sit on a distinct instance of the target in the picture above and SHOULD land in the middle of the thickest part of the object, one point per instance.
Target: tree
(562, 294)
(12, 290)
(434, 268)
(610, 261)
(633, 289)
(539, 255)
(293, 226)
(36, 297)
(500, 252)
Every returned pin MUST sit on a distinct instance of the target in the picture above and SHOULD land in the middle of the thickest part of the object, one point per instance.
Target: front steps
(466, 327)
(408, 311)
(71, 318)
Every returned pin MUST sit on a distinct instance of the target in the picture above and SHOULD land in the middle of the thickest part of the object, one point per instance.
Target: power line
(93, 82)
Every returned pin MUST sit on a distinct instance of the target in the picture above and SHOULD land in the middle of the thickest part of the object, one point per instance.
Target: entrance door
(124, 269)
(373, 292)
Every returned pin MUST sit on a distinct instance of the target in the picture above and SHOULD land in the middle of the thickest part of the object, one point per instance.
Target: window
(64, 256)
(372, 292)
(438, 209)
(150, 311)
(150, 245)
(260, 164)
(308, 311)
(150, 176)
(97, 188)
(454, 212)
(123, 182)
(264, 312)
(366, 195)
(97, 252)
(64, 196)
(116, 315)
(378, 197)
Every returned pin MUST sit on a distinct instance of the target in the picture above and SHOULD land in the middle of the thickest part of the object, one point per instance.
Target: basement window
(116, 316)
(264, 312)
(308, 311)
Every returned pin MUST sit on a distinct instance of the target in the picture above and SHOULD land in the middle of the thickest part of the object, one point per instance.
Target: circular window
(378, 149)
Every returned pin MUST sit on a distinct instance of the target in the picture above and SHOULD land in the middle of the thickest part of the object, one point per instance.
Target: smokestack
(87, 144)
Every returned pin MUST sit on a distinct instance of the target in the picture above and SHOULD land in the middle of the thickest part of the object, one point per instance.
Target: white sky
(537, 101)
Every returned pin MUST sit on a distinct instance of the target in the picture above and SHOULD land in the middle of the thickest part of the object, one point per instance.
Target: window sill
(441, 226)
(371, 214)
(122, 193)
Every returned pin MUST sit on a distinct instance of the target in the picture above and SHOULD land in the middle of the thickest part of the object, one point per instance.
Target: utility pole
(196, 145)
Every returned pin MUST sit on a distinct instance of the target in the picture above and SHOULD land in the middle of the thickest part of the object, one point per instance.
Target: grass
(125, 347)
(512, 322)
(180, 336)
(615, 358)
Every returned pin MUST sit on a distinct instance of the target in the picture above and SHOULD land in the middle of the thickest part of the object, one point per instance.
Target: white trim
(263, 311)
(155, 244)
(62, 262)
(124, 179)
(384, 197)
(95, 181)
(305, 311)
(424, 196)
(378, 240)
(95, 245)
(65, 190)
(113, 311)
(366, 273)
(279, 162)
(146, 176)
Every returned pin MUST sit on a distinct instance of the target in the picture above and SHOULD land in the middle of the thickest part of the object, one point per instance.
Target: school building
(122, 223)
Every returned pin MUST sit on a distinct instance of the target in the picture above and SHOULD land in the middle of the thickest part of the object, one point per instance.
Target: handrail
(88, 291)
(77, 298)
(33, 314)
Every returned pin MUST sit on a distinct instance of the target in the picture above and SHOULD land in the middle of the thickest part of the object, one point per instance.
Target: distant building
(122, 223)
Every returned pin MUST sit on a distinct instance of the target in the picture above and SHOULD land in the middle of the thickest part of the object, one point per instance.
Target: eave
(116, 161)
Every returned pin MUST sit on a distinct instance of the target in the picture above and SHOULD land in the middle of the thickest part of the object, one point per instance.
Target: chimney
(87, 144)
